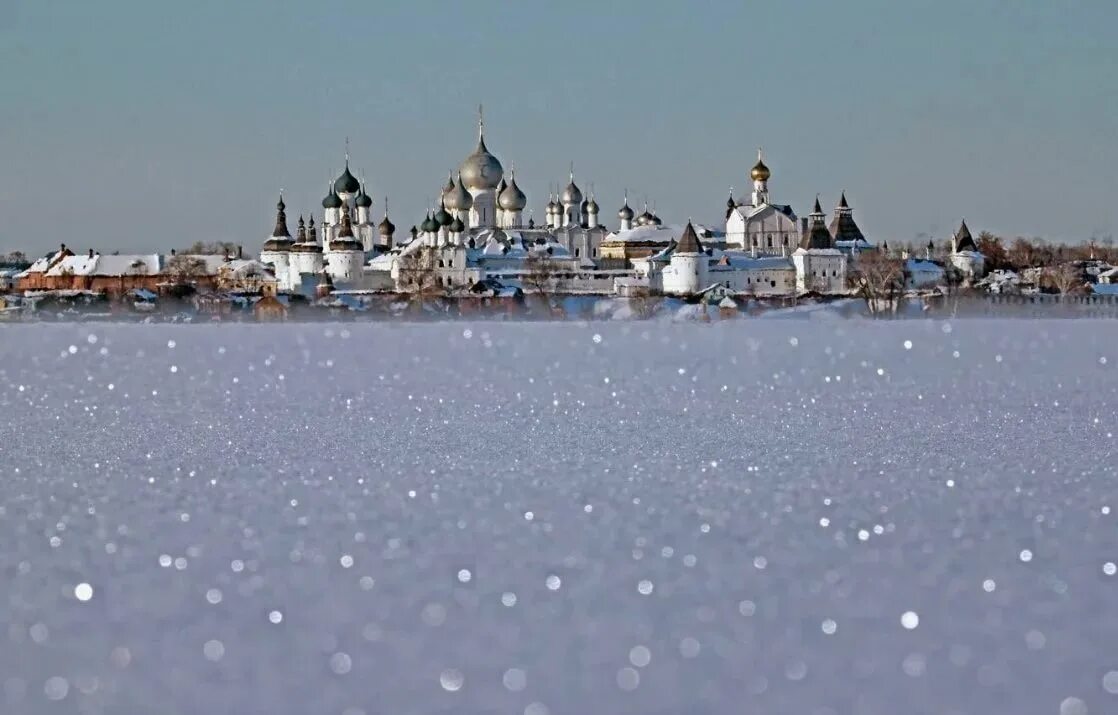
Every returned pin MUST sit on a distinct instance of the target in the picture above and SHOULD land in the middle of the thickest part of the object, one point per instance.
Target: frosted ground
(785, 516)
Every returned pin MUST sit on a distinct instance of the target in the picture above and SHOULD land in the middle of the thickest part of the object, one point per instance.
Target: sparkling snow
(782, 516)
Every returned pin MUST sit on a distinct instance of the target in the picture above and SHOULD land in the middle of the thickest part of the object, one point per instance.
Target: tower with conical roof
(277, 249)
(843, 227)
(686, 274)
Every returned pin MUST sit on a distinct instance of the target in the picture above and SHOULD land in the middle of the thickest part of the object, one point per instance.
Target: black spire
(280, 231)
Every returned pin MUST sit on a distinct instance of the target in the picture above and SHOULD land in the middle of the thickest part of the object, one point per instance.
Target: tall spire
(480, 123)
(280, 230)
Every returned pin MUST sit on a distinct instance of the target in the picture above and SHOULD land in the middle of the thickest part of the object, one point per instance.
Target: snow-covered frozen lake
(818, 517)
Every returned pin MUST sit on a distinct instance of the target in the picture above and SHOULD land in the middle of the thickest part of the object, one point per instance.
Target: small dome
(512, 198)
(552, 207)
(386, 227)
(332, 200)
(592, 207)
(644, 219)
(571, 195)
(347, 183)
(414, 231)
(363, 200)
(456, 198)
(430, 225)
(626, 213)
(456, 226)
(760, 172)
(442, 217)
(481, 171)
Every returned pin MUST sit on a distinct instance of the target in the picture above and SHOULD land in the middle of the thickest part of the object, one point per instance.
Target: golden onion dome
(760, 172)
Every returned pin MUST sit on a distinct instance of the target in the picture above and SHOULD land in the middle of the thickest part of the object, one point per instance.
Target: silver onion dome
(592, 206)
(512, 198)
(481, 171)
(456, 198)
(572, 195)
(626, 213)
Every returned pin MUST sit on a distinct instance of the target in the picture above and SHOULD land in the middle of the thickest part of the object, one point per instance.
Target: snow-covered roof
(922, 265)
(661, 234)
(241, 268)
(742, 261)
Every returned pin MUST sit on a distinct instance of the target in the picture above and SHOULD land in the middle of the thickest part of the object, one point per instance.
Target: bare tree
(541, 275)
(879, 280)
(1064, 277)
(212, 248)
(418, 273)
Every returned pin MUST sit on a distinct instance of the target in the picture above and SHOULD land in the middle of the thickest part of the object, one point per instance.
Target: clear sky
(143, 125)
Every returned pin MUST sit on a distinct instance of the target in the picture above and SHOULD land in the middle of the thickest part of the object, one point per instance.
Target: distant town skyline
(132, 126)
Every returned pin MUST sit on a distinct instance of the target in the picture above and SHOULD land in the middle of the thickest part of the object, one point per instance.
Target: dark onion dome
(730, 203)
(332, 200)
(592, 207)
(760, 172)
(963, 240)
(843, 227)
(572, 195)
(429, 224)
(456, 226)
(512, 198)
(301, 234)
(363, 200)
(689, 241)
(456, 198)
(626, 213)
(481, 171)
(442, 217)
(386, 227)
(347, 183)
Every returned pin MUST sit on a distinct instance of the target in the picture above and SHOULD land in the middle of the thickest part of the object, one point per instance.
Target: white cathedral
(766, 250)
(477, 232)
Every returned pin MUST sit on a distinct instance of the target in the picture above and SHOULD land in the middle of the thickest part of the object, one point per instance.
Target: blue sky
(139, 125)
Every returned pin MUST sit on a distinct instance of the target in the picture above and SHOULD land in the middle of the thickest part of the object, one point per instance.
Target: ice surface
(820, 517)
